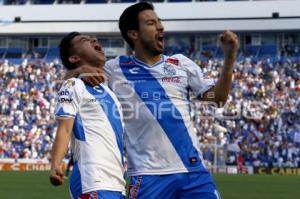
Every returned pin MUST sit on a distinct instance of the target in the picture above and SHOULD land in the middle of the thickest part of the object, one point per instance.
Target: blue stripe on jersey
(75, 182)
(111, 110)
(78, 128)
(174, 128)
(62, 113)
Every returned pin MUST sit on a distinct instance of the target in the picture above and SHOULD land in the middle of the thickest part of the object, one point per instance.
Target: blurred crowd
(27, 102)
(259, 125)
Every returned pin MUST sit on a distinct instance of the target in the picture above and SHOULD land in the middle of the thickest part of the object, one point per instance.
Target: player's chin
(159, 49)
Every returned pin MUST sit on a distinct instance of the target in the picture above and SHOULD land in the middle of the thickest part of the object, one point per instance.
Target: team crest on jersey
(169, 70)
(69, 83)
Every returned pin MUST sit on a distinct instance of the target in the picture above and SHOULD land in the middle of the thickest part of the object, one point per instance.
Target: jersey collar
(139, 62)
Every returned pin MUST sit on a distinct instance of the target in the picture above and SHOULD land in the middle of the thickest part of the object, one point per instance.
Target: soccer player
(164, 160)
(89, 117)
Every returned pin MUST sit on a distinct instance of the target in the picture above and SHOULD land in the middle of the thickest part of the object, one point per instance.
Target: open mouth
(160, 39)
(98, 48)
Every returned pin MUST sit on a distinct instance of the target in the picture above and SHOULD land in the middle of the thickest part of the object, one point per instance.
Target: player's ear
(132, 34)
(74, 59)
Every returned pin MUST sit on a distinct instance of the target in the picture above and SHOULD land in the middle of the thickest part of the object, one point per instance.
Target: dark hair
(65, 48)
(129, 19)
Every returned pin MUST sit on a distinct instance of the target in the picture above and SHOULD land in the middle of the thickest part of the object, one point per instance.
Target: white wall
(195, 16)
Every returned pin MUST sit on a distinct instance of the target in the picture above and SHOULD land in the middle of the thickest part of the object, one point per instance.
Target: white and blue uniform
(97, 137)
(159, 135)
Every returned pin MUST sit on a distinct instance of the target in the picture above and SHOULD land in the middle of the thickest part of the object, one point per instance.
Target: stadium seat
(45, 2)
(2, 52)
(52, 54)
(267, 51)
(173, 1)
(69, 1)
(95, 1)
(251, 50)
(41, 51)
(14, 2)
(14, 53)
(219, 53)
(210, 49)
(15, 61)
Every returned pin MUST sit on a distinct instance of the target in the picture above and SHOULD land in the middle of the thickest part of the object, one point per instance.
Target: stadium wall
(177, 17)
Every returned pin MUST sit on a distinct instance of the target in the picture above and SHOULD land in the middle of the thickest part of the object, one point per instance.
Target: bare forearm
(219, 93)
(60, 145)
(72, 73)
(222, 88)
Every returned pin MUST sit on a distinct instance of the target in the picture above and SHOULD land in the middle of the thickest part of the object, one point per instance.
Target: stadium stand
(263, 129)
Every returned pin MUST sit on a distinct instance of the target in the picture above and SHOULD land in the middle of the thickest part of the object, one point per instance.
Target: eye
(150, 23)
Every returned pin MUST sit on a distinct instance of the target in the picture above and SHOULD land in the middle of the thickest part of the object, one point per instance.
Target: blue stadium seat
(41, 51)
(267, 50)
(14, 2)
(251, 50)
(14, 53)
(211, 49)
(2, 52)
(219, 53)
(69, 1)
(179, 1)
(95, 1)
(45, 2)
(52, 54)
(15, 61)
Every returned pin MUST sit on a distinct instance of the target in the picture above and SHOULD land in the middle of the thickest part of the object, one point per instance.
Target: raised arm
(59, 149)
(219, 93)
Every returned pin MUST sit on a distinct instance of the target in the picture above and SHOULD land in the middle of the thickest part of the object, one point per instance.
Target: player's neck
(147, 58)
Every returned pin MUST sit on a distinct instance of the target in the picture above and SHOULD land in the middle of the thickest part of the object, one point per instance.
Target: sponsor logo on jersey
(65, 100)
(134, 70)
(171, 79)
(172, 61)
(69, 83)
(98, 89)
(66, 93)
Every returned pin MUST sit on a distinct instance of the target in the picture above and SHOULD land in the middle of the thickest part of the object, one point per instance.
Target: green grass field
(35, 185)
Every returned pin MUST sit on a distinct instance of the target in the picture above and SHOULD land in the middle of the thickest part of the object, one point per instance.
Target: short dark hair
(65, 48)
(129, 19)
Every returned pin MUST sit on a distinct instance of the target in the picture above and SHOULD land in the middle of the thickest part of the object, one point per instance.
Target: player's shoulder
(177, 56)
(73, 83)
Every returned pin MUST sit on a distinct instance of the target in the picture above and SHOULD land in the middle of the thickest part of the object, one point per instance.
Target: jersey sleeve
(196, 80)
(68, 98)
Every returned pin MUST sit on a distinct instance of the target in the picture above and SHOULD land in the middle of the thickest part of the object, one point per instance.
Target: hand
(57, 176)
(229, 43)
(90, 75)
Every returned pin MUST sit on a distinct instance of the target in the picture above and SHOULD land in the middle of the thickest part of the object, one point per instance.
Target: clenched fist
(56, 176)
(229, 43)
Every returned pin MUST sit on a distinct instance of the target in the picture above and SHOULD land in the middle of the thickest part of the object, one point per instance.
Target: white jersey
(159, 133)
(96, 139)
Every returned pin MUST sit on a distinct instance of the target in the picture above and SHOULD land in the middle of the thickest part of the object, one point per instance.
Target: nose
(160, 27)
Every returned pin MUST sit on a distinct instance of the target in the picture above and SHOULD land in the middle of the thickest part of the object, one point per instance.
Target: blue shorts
(174, 186)
(101, 194)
